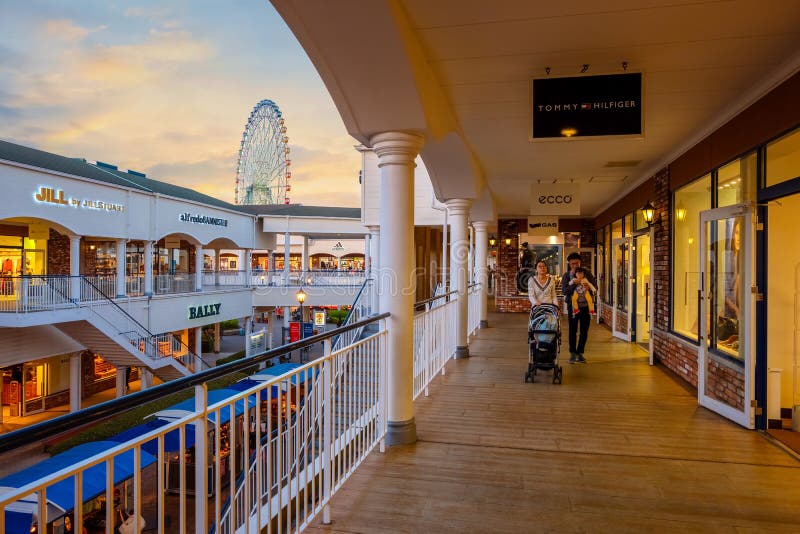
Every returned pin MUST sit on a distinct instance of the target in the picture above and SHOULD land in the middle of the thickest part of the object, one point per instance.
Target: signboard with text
(294, 331)
(587, 106)
(555, 199)
(544, 226)
(319, 318)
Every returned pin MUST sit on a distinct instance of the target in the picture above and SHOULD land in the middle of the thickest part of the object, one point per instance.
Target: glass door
(33, 388)
(642, 288)
(621, 275)
(726, 353)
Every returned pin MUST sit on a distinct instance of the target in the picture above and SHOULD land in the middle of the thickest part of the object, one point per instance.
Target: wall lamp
(508, 241)
(492, 240)
(649, 213)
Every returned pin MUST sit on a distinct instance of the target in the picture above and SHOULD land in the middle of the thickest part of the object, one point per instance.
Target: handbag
(127, 526)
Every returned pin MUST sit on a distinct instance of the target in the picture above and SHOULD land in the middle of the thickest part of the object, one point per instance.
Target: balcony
(619, 445)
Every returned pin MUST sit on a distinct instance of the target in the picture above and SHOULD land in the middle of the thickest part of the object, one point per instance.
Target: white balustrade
(473, 308)
(164, 284)
(434, 340)
(275, 453)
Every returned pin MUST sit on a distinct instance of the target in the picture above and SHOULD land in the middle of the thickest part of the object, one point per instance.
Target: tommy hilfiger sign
(204, 310)
(203, 219)
(586, 106)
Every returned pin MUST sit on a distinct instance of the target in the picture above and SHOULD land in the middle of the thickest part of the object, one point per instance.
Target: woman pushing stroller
(542, 286)
(544, 337)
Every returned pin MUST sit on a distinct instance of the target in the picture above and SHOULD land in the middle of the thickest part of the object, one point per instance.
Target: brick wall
(606, 314)
(622, 322)
(507, 297)
(57, 253)
(725, 384)
(677, 355)
(661, 251)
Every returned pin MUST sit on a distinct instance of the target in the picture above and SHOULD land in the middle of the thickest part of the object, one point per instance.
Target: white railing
(134, 285)
(307, 278)
(434, 340)
(294, 441)
(474, 308)
(107, 284)
(118, 322)
(24, 294)
(166, 284)
(360, 310)
(225, 279)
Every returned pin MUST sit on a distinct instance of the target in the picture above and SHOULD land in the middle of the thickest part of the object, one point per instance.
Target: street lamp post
(301, 298)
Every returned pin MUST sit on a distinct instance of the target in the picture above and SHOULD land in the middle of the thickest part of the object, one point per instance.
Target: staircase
(109, 330)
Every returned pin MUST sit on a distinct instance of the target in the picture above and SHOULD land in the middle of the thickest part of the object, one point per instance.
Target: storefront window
(627, 227)
(783, 159)
(690, 200)
(616, 229)
(638, 220)
(608, 295)
(736, 181)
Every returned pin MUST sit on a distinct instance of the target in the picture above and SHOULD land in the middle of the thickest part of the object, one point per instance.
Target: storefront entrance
(780, 353)
(621, 277)
(642, 290)
(33, 381)
(726, 352)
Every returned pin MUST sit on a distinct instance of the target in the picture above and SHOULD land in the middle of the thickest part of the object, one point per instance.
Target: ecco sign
(204, 310)
(555, 199)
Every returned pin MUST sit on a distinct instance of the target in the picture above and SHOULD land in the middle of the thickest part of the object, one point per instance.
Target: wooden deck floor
(619, 447)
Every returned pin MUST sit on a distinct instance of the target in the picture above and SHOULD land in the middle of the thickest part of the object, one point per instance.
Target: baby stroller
(544, 340)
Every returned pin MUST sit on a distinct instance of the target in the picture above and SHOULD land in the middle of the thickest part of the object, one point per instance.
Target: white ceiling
(701, 61)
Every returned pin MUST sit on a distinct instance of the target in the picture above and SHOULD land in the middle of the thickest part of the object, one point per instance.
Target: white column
(287, 316)
(445, 272)
(147, 378)
(198, 267)
(198, 347)
(270, 329)
(471, 261)
(122, 383)
(216, 267)
(75, 265)
(217, 338)
(375, 264)
(367, 259)
(148, 268)
(305, 266)
(286, 255)
(122, 246)
(458, 209)
(396, 152)
(482, 268)
(248, 270)
(270, 266)
(75, 382)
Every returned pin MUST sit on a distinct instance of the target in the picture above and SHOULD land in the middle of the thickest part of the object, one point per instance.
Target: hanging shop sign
(555, 199)
(545, 226)
(319, 318)
(202, 219)
(587, 106)
(204, 310)
(50, 195)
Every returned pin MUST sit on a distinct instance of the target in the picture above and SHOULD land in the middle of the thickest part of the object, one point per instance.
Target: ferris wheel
(262, 173)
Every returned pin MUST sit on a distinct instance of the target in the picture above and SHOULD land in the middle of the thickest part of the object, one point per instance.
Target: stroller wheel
(557, 373)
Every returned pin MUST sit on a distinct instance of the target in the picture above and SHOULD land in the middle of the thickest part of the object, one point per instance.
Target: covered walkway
(620, 446)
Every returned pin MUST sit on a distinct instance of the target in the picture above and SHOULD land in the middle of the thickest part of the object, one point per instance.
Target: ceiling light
(568, 132)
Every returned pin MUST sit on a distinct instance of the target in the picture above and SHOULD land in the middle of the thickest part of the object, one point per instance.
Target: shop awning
(61, 495)
(280, 370)
(214, 396)
(171, 438)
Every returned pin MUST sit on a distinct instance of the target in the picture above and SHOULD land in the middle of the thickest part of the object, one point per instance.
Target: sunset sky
(165, 87)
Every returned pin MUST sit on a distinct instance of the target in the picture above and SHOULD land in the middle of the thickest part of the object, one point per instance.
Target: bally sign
(545, 226)
(204, 310)
(555, 199)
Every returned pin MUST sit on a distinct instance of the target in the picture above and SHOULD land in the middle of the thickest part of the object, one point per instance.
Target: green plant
(230, 324)
(232, 358)
(337, 316)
